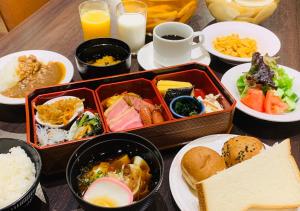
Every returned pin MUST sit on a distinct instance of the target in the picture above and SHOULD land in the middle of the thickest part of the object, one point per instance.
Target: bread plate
(185, 198)
(229, 80)
(43, 56)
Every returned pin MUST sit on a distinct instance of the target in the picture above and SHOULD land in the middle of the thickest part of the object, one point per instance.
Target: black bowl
(97, 48)
(5, 145)
(113, 144)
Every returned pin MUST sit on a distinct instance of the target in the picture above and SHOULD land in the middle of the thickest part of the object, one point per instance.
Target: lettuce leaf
(242, 85)
(282, 79)
(284, 84)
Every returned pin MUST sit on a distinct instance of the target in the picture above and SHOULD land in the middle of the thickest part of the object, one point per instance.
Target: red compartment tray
(142, 87)
(200, 80)
(171, 133)
(56, 156)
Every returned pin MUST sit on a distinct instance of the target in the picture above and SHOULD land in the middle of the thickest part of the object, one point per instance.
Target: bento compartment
(82, 123)
(124, 105)
(198, 84)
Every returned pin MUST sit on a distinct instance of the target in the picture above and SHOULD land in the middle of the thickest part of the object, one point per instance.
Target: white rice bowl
(16, 175)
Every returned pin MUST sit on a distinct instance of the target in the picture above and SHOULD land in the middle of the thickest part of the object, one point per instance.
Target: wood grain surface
(56, 27)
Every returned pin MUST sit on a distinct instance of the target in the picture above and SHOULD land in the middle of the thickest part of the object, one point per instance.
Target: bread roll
(200, 163)
(240, 148)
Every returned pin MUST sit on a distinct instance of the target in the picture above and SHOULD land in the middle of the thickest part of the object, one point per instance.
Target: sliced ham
(117, 108)
(137, 102)
(130, 120)
(119, 116)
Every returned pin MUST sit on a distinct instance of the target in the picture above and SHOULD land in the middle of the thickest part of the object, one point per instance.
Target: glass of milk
(131, 23)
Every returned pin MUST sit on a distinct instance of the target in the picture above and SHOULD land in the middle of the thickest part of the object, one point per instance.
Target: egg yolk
(104, 201)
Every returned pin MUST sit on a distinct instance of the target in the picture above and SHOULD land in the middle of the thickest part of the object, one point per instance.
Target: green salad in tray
(266, 87)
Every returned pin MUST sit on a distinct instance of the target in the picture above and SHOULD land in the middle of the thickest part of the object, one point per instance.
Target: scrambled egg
(233, 45)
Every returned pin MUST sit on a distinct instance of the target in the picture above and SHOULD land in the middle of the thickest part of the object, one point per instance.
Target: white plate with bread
(257, 179)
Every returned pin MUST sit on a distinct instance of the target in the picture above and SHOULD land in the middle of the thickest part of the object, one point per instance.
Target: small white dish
(146, 60)
(267, 41)
(183, 195)
(229, 80)
(79, 111)
(43, 56)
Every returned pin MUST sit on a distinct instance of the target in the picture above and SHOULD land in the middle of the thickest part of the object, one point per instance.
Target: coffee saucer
(146, 61)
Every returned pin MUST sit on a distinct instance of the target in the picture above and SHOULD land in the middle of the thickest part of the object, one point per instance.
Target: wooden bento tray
(169, 134)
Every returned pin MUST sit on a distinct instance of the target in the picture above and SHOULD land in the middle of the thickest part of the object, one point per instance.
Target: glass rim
(93, 1)
(143, 4)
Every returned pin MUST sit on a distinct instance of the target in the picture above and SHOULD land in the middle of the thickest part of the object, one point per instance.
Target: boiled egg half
(108, 192)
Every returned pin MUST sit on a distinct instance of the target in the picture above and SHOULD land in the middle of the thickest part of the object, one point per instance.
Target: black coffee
(172, 37)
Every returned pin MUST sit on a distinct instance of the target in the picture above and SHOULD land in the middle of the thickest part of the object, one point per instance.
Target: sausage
(157, 116)
(145, 115)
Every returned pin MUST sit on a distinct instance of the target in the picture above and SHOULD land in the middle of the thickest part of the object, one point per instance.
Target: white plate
(229, 80)
(43, 56)
(145, 57)
(185, 199)
(267, 41)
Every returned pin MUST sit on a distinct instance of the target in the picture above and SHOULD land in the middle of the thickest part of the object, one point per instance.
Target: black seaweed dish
(5, 145)
(91, 50)
(111, 145)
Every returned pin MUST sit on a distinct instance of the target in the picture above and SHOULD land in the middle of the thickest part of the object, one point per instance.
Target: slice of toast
(270, 180)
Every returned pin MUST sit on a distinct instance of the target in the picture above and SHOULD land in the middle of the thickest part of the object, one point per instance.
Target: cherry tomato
(199, 92)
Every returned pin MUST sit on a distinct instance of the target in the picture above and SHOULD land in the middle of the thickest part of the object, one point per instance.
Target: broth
(134, 172)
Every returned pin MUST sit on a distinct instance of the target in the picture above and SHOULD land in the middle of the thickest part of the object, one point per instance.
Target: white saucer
(146, 61)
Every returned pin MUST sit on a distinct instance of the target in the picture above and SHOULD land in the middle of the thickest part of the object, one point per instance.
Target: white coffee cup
(173, 52)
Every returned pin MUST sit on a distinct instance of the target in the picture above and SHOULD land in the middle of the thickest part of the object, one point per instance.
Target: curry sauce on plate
(34, 74)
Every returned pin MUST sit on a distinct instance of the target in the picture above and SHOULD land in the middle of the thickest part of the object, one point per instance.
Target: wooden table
(56, 27)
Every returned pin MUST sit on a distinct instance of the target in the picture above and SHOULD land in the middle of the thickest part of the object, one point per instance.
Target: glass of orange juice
(95, 19)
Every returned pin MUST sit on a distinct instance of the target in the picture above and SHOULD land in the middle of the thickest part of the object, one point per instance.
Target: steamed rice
(8, 75)
(17, 175)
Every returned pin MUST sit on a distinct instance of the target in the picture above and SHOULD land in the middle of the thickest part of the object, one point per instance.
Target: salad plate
(231, 77)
